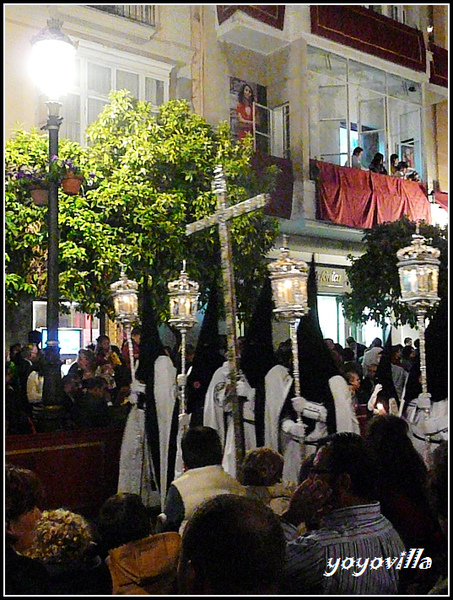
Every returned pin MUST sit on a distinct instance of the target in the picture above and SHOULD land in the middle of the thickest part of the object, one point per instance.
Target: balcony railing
(140, 13)
(363, 199)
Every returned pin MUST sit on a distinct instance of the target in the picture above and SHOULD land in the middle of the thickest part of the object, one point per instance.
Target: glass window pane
(332, 102)
(94, 108)
(99, 79)
(367, 77)
(70, 111)
(128, 81)
(326, 63)
(154, 91)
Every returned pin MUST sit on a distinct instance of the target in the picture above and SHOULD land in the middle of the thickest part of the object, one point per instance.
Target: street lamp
(125, 301)
(418, 269)
(289, 289)
(53, 66)
(183, 294)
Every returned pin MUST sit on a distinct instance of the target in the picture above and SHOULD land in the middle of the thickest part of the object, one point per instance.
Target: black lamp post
(53, 56)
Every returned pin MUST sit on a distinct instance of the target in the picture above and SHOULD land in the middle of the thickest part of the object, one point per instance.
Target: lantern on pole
(183, 294)
(125, 301)
(289, 289)
(418, 269)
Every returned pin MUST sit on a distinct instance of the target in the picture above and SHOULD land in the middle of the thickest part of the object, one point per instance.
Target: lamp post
(183, 294)
(53, 56)
(418, 269)
(125, 301)
(289, 289)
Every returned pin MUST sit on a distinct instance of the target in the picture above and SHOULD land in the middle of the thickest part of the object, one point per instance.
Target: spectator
(408, 357)
(356, 347)
(401, 170)
(261, 474)
(394, 160)
(64, 543)
(438, 486)
(377, 164)
(232, 545)
(23, 499)
(92, 408)
(401, 480)
(35, 383)
(139, 562)
(28, 357)
(204, 477)
(339, 492)
(72, 395)
(17, 420)
(85, 366)
(356, 159)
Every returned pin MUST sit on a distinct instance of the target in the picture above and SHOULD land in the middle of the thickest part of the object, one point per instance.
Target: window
(383, 109)
(100, 70)
(142, 13)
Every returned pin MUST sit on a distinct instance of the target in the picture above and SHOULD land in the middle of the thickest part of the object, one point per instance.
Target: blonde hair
(61, 536)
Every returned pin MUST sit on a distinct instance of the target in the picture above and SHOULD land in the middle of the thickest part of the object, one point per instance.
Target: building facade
(325, 78)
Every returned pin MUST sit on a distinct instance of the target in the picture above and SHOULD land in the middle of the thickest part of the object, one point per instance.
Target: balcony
(256, 28)
(362, 199)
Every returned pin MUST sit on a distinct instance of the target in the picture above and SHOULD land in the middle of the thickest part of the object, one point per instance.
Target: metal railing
(140, 13)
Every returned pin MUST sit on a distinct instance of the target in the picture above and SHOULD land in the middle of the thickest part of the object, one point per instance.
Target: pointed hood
(207, 358)
(436, 354)
(151, 348)
(436, 344)
(257, 353)
(316, 364)
(384, 370)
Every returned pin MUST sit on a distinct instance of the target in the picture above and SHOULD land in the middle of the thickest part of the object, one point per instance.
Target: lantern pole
(53, 67)
(418, 269)
(125, 300)
(183, 295)
(289, 288)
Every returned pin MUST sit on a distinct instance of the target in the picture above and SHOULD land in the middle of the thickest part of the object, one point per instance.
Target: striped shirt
(351, 534)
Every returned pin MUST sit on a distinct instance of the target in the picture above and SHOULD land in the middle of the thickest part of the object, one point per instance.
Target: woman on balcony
(247, 113)
(377, 164)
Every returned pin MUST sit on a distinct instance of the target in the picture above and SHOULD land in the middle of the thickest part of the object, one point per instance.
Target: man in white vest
(203, 478)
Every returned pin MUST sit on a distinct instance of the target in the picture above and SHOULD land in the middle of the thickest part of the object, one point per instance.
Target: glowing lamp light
(183, 295)
(289, 286)
(125, 299)
(418, 269)
(53, 60)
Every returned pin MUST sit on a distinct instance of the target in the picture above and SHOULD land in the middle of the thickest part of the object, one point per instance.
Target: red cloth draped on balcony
(363, 199)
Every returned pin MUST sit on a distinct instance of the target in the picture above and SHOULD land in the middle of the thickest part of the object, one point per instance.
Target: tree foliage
(151, 176)
(374, 278)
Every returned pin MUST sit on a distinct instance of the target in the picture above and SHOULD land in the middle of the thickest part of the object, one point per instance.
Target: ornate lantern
(289, 289)
(183, 294)
(125, 301)
(418, 269)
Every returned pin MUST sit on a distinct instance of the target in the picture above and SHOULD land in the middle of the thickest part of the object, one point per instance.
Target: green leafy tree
(150, 175)
(374, 278)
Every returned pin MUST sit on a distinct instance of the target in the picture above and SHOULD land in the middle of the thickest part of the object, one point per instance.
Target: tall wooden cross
(221, 217)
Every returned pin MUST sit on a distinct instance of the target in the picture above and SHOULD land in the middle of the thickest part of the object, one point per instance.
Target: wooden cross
(221, 217)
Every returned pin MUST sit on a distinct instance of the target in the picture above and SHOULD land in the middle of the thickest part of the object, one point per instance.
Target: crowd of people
(353, 524)
(93, 388)
(398, 168)
(334, 500)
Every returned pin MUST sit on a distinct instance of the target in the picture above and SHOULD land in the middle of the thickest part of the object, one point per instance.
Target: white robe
(278, 383)
(136, 473)
(217, 408)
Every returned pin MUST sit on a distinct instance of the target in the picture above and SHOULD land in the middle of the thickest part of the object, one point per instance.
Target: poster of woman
(245, 117)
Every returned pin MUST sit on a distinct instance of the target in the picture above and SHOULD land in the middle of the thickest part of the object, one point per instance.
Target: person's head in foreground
(231, 545)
